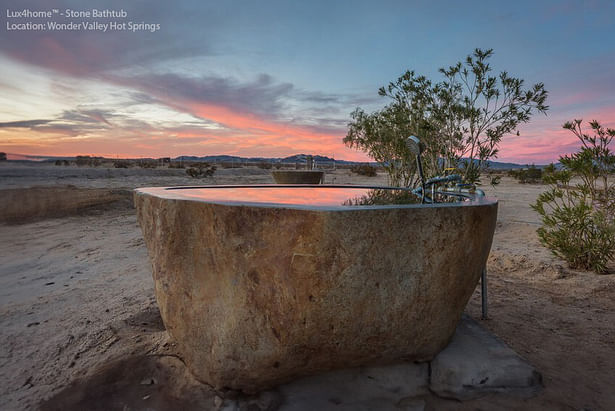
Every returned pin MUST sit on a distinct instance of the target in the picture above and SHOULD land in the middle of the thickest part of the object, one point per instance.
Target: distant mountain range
(297, 158)
(301, 158)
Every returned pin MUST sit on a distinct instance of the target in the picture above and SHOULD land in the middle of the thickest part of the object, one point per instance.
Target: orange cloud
(250, 133)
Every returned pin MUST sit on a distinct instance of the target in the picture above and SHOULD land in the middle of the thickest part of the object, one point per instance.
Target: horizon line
(33, 157)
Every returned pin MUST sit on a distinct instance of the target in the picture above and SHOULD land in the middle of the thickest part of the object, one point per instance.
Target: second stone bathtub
(261, 284)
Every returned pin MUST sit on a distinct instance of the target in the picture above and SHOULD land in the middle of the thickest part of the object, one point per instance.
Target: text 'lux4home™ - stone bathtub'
(262, 284)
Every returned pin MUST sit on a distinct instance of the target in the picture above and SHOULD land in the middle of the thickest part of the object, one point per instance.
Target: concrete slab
(365, 388)
(476, 362)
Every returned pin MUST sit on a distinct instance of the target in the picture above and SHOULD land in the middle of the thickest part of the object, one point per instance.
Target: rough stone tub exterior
(257, 295)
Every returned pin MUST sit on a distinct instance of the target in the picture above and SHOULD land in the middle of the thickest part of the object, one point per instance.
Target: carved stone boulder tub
(259, 285)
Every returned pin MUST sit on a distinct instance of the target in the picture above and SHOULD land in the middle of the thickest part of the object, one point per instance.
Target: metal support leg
(483, 293)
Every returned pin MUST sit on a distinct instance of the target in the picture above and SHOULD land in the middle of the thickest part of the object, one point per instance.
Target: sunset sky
(276, 78)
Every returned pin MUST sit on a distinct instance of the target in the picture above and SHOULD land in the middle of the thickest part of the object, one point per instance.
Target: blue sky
(276, 78)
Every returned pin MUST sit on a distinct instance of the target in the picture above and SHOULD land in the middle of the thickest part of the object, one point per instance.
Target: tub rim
(171, 193)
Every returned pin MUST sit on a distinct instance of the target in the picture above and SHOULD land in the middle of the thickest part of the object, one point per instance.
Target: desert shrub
(550, 169)
(574, 231)
(58, 162)
(548, 172)
(147, 163)
(200, 170)
(364, 170)
(177, 164)
(193, 172)
(88, 161)
(579, 219)
(531, 175)
(264, 165)
(122, 164)
(278, 166)
(2, 156)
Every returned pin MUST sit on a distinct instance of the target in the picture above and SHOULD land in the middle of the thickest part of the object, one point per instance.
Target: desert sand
(80, 327)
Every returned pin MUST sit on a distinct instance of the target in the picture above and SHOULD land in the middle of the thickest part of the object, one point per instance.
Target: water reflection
(322, 196)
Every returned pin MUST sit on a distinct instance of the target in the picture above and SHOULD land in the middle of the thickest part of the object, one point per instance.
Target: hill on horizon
(225, 158)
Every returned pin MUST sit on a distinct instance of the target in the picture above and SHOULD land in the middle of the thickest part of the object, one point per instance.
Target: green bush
(574, 231)
(460, 119)
(579, 219)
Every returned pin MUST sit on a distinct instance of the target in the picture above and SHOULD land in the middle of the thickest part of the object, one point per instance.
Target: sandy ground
(80, 327)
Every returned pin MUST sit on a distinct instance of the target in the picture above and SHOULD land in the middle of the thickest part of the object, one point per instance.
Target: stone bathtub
(262, 284)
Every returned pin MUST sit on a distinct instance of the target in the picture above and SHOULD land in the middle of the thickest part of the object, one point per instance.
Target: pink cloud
(544, 140)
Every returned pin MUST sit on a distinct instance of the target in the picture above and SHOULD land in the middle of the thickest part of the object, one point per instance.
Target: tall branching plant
(594, 162)
(491, 107)
(579, 218)
(461, 119)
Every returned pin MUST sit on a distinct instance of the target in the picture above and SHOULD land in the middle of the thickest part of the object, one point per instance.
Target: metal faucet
(414, 145)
